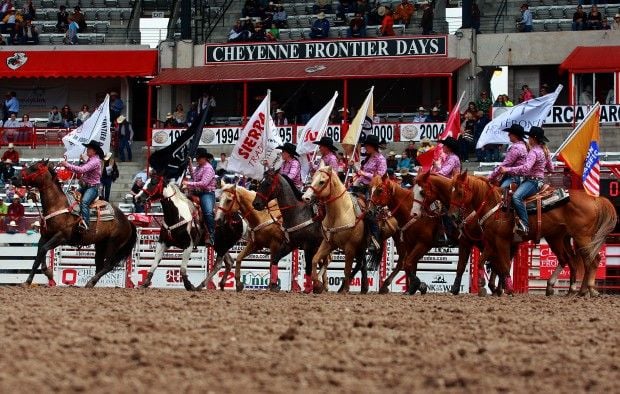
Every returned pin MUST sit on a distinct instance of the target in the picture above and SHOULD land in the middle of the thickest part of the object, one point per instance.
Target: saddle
(100, 210)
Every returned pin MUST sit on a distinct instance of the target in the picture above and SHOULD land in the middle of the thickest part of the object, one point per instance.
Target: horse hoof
(455, 290)
(482, 292)
(364, 290)
(423, 288)
(239, 287)
(145, 285)
(594, 293)
(89, 285)
(384, 290)
(51, 283)
(274, 287)
(221, 285)
(550, 291)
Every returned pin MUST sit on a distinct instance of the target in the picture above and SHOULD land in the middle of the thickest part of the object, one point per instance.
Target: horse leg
(464, 253)
(44, 246)
(184, 261)
(108, 262)
(308, 269)
(276, 255)
(249, 248)
(159, 253)
(228, 263)
(557, 247)
(360, 260)
(411, 266)
(320, 256)
(590, 265)
(482, 292)
(348, 264)
(216, 267)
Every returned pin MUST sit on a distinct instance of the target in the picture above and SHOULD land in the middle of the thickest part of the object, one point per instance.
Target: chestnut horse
(114, 239)
(586, 219)
(343, 227)
(264, 228)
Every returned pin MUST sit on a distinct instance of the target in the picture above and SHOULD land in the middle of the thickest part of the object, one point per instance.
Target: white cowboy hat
(12, 223)
(435, 109)
(421, 109)
(121, 119)
(279, 111)
(36, 224)
(8, 161)
(113, 93)
(321, 15)
(169, 115)
(11, 145)
(108, 156)
(381, 10)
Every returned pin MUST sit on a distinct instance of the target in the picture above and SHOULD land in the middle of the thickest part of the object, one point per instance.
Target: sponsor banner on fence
(67, 275)
(549, 261)
(227, 135)
(254, 279)
(436, 282)
(563, 114)
(336, 277)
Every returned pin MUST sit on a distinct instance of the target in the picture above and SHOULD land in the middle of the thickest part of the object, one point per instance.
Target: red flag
(453, 125)
(426, 159)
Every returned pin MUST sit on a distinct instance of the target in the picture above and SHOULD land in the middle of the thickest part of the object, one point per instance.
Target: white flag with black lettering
(96, 127)
(529, 113)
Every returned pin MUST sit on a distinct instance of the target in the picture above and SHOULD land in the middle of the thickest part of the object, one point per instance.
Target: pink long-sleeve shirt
(450, 166)
(292, 169)
(204, 178)
(535, 165)
(329, 159)
(375, 165)
(91, 170)
(515, 157)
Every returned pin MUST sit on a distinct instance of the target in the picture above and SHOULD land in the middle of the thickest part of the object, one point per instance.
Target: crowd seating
(551, 15)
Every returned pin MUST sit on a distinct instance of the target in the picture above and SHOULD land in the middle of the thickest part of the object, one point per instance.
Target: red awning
(77, 63)
(592, 59)
(311, 69)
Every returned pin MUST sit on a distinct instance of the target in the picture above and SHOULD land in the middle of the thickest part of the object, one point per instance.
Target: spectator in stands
(3, 210)
(280, 18)
(434, 116)
(247, 27)
(28, 34)
(412, 150)
(15, 212)
(605, 24)
(192, 114)
(579, 19)
(5, 6)
(475, 18)
(357, 26)
(345, 7)
(11, 128)
(109, 174)
(499, 101)
(68, 118)
(237, 34)
(544, 89)
(507, 101)
(71, 37)
(25, 122)
(362, 8)
(179, 115)
(207, 101)
(322, 6)
(280, 119)
(420, 117)
(82, 115)
(484, 102)
(427, 18)
(471, 109)
(28, 10)
(222, 166)
(375, 15)
(80, 19)
(405, 162)
(526, 18)
(594, 19)
(391, 161)
(7, 172)
(9, 24)
(466, 137)
(404, 12)
(425, 146)
(616, 23)
(259, 34)
(387, 24)
(250, 9)
(12, 227)
(35, 228)
(116, 105)
(526, 94)
(10, 154)
(125, 137)
(320, 27)
(585, 98)
(62, 19)
(481, 121)
(11, 103)
(25, 129)
(272, 34)
(136, 188)
(169, 123)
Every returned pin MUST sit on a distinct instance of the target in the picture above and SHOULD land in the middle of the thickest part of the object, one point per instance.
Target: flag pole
(576, 130)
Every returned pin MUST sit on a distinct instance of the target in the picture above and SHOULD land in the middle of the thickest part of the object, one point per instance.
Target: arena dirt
(117, 340)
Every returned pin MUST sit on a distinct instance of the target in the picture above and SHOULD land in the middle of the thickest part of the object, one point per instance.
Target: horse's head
(320, 187)
(266, 190)
(153, 189)
(461, 196)
(381, 190)
(229, 202)
(34, 175)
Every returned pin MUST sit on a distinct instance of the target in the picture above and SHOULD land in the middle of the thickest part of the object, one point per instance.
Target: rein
(228, 213)
(329, 192)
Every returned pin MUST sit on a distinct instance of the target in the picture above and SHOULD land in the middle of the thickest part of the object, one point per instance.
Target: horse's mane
(54, 176)
(478, 184)
(179, 193)
(298, 195)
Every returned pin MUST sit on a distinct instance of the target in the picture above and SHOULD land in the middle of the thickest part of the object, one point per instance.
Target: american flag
(592, 171)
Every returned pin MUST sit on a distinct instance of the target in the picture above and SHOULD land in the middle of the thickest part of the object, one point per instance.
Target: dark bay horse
(586, 219)
(300, 229)
(114, 239)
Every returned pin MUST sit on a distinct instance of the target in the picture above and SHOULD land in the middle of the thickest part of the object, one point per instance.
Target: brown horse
(587, 220)
(264, 227)
(114, 239)
(343, 227)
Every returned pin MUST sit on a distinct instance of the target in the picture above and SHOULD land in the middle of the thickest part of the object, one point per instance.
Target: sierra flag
(257, 143)
(529, 113)
(360, 127)
(580, 151)
(311, 132)
(96, 127)
(453, 129)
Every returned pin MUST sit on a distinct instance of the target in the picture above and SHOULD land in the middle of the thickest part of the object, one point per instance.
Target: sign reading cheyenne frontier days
(410, 46)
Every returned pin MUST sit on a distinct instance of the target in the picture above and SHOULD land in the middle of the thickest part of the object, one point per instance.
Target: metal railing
(500, 16)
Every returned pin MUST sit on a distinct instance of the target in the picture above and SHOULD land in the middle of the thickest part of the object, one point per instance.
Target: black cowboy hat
(202, 152)
(327, 142)
(451, 143)
(96, 146)
(517, 130)
(372, 140)
(538, 133)
(289, 148)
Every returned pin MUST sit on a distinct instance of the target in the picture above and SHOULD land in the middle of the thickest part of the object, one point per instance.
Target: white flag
(257, 143)
(529, 113)
(311, 132)
(361, 126)
(97, 128)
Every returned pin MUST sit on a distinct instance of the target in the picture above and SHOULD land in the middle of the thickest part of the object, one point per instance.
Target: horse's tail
(125, 251)
(606, 221)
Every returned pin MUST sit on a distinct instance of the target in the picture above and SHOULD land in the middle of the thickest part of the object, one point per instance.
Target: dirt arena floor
(117, 340)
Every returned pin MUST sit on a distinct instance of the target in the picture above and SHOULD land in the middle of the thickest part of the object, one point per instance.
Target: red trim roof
(312, 69)
(592, 59)
(77, 63)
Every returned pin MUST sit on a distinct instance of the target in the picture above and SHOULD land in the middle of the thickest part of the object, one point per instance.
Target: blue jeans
(89, 194)
(508, 180)
(106, 188)
(122, 146)
(207, 203)
(527, 188)
(528, 29)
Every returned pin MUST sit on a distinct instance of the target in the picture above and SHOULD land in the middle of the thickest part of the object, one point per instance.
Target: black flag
(172, 161)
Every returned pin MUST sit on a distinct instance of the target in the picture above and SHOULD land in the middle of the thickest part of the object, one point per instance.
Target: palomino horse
(114, 239)
(182, 228)
(588, 220)
(343, 226)
(264, 231)
(430, 188)
(299, 225)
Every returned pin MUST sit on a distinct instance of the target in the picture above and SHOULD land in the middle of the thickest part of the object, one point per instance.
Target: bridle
(428, 197)
(387, 197)
(157, 192)
(468, 194)
(32, 176)
(273, 187)
(329, 183)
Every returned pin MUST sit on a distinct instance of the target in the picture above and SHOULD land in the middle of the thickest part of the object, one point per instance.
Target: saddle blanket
(551, 200)
(100, 210)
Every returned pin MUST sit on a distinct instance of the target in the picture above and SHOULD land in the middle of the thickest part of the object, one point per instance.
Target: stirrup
(373, 245)
(522, 228)
(82, 225)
